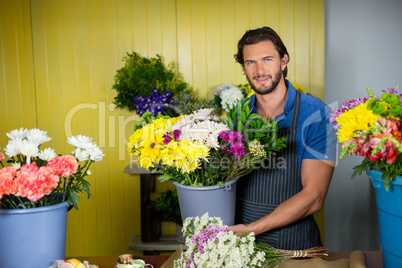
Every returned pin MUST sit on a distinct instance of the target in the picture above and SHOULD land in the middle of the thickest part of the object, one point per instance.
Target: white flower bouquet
(212, 244)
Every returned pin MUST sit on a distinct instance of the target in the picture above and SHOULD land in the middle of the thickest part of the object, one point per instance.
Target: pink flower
(49, 179)
(1, 156)
(64, 165)
(29, 168)
(35, 184)
(29, 186)
(7, 181)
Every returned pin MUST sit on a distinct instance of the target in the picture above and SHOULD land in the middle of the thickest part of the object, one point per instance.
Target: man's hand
(316, 177)
(238, 229)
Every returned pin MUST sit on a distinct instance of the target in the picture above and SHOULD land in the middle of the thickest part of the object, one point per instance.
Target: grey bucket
(33, 237)
(217, 201)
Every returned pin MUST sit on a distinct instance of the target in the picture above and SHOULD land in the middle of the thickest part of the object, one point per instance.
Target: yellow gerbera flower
(358, 118)
(151, 150)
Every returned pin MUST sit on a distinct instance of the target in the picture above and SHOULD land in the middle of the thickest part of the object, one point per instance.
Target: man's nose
(260, 68)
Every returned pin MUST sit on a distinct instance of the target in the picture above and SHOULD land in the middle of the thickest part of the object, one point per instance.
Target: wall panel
(58, 60)
(17, 88)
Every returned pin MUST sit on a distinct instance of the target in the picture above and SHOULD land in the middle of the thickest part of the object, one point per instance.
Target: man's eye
(268, 59)
(250, 63)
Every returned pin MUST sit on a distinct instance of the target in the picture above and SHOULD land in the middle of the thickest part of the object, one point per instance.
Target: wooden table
(110, 261)
(374, 259)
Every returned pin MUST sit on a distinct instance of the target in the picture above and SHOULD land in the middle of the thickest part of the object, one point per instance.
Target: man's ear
(284, 62)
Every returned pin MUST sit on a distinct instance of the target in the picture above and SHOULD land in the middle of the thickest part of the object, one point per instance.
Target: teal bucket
(33, 237)
(389, 218)
(217, 201)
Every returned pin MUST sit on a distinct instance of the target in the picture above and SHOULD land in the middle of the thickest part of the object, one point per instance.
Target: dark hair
(252, 37)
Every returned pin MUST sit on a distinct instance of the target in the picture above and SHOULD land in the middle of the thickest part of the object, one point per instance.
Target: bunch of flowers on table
(211, 244)
(39, 177)
(371, 127)
(200, 149)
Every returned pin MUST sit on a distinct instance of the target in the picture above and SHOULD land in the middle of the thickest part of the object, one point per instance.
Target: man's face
(263, 66)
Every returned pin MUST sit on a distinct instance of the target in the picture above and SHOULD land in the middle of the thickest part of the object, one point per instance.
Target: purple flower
(231, 136)
(233, 143)
(168, 136)
(154, 103)
(237, 149)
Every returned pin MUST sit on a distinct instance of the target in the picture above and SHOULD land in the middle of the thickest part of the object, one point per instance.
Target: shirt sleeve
(318, 135)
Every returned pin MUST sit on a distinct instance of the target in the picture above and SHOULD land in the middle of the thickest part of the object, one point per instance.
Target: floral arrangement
(200, 149)
(38, 178)
(371, 127)
(227, 95)
(212, 244)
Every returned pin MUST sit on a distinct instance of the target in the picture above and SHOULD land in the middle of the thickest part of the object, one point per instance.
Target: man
(277, 203)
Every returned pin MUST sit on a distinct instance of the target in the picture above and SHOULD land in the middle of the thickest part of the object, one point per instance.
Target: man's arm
(316, 177)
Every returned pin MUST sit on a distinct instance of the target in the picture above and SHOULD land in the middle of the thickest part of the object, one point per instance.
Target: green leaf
(254, 116)
(243, 117)
(221, 184)
(259, 124)
(164, 177)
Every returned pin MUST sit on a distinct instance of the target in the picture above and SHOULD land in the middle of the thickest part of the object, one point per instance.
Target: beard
(269, 88)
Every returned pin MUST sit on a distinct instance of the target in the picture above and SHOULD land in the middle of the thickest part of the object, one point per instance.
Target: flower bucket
(217, 201)
(34, 237)
(389, 218)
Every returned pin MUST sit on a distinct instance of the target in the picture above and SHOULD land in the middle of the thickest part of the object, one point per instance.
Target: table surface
(374, 259)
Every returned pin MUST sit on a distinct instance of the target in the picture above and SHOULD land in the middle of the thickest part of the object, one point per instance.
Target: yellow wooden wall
(57, 65)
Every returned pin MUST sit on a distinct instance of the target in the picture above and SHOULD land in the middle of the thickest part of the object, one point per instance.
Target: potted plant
(168, 205)
(140, 76)
(204, 155)
(36, 189)
(371, 128)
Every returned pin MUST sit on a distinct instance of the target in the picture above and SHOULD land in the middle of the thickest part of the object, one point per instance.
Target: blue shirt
(315, 136)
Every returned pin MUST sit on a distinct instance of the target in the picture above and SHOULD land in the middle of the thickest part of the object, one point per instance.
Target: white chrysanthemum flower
(29, 149)
(213, 142)
(219, 89)
(16, 165)
(47, 154)
(230, 97)
(95, 154)
(81, 141)
(205, 111)
(17, 134)
(205, 130)
(13, 147)
(37, 136)
(81, 155)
